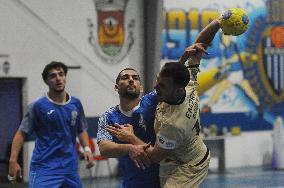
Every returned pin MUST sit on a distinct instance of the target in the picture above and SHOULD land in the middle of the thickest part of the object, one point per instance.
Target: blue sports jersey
(56, 127)
(142, 120)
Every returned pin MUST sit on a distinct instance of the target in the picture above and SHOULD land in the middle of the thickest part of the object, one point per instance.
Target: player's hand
(197, 49)
(128, 128)
(15, 172)
(139, 156)
(122, 132)
(88, 156)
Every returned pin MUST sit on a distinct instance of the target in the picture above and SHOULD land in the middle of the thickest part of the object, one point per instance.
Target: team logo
(50, 112)
(142, 123)
(273, 60)
(266, 76)
(74, 115)
(109, 38)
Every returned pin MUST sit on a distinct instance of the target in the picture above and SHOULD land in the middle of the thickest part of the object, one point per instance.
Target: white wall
(35, 32)
(248, 149)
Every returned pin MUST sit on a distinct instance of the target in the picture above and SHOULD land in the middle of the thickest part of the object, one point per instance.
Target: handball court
(248, 177)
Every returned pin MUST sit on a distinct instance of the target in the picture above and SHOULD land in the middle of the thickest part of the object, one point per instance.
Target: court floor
(252, 177)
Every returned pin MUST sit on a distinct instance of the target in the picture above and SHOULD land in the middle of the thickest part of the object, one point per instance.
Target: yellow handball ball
(235, 21)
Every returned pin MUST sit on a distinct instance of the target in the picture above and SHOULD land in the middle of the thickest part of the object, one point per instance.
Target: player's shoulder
(149, 95)
(172, 129)
(74, 99)
(191, 89)
(41, 100)
(180, 116)
(150, 98)
(111, 111)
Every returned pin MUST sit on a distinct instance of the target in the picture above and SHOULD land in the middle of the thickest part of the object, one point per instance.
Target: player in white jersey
(180, 150)
(177, 128)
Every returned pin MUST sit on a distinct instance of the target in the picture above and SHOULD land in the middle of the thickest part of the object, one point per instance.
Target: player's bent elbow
(104, 152)
(105, 149)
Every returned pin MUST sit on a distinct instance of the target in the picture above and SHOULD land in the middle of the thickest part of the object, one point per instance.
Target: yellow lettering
(176, 19)
(193, 19)
(208, 16)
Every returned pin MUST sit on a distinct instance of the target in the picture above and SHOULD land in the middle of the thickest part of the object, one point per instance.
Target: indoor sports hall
(240, 83)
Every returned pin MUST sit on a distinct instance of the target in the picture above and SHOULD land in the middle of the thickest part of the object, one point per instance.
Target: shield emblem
(272, 65)
(108, 38)
(111, 31)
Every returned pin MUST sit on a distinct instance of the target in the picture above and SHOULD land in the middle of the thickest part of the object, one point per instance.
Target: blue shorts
(54, 181)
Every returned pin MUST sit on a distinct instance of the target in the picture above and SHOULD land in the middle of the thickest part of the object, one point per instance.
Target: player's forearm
(135, 140)
(208, 33)
(17, 144)
(156, 154)
(113, 150)
(84, 139)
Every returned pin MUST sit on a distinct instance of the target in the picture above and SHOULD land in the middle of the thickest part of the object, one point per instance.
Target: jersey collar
(130, 112)
(46, 95)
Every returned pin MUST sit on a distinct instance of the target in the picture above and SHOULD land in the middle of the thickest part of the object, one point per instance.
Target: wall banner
(242, 77)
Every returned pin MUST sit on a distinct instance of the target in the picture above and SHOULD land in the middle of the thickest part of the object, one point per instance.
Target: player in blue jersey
(138, 112)
(56, 118)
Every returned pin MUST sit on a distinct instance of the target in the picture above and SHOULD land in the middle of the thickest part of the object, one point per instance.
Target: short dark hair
(178, 72)
(119, 74)
(53, 65)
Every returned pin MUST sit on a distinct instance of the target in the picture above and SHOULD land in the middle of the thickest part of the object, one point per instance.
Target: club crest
(111, 37)
(266, 75)
(272, 66)
(74, 115)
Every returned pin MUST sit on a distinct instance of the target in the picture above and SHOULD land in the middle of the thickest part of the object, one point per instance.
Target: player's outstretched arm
(203, 40)
(208, 33)
(15, 170)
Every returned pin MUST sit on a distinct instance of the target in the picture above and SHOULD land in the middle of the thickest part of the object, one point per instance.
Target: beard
(129, 94)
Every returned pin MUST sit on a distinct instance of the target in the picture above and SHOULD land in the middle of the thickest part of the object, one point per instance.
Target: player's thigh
(167, 169)
(185, 176)
(72, 181)
(45, 181)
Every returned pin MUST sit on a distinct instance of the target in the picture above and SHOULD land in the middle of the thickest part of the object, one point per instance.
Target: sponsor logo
(50, 112)
(161, 140)
(166, 143)
(170, 145)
